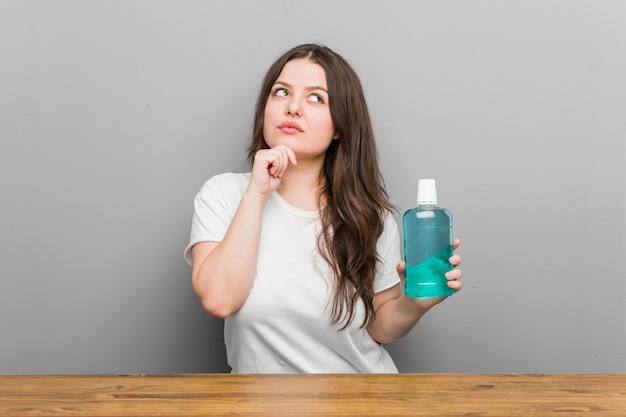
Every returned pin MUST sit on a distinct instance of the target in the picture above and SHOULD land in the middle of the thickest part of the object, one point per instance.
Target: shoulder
(223, 189)
(389, 239)
(390, 224)
(228, 179)
(226, 183)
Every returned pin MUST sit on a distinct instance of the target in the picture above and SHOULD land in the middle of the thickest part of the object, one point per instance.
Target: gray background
(112, 115)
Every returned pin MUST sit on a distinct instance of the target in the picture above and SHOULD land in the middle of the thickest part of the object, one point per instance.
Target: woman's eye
(281, 92)
(316, 98)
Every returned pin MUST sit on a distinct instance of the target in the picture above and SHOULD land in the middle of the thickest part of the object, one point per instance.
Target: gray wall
(112, 114)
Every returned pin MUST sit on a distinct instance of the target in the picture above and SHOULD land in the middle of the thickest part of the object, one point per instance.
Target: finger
(456, 243)
(280, 160)
(264, 159)
(287, 152)
(455, 285)
(273, 168)
(286, 160)
(292, 156)
(455, 260)
(454, 275)
(286, 155)
(277, 163)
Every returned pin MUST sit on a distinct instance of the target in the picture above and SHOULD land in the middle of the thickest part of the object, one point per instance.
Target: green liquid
(427, 279)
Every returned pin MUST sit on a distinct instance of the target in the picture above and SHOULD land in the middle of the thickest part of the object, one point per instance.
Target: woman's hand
(268, 168)
(453, 277)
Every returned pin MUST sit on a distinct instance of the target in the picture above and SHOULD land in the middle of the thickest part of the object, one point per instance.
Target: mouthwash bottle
(427, 244)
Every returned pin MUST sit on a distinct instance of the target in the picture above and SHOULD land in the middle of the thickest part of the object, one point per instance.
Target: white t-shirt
(284, 326)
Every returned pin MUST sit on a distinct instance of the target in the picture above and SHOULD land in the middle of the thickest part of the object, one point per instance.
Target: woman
(301, 255)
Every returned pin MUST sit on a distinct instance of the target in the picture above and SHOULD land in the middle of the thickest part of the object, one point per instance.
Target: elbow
(371, 330)
(218, 300)
(218, 309)
(384, 333)
(380, 338)
(213, 303)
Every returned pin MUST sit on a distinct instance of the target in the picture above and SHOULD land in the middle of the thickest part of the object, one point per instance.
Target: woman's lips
(290, 127)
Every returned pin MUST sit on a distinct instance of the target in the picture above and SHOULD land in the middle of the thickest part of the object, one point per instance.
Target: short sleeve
(214, 208)
(388, 247)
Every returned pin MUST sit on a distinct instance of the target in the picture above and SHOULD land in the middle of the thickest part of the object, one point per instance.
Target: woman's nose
(294, 108)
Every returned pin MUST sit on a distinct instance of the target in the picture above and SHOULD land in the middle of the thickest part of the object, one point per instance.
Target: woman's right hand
(269, 167)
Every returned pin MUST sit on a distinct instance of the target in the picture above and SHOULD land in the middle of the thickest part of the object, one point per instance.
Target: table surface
(498, 395)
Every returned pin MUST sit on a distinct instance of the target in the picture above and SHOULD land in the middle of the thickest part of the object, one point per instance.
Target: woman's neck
(300, 186)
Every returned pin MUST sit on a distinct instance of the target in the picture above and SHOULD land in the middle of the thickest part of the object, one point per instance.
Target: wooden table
(570, 395)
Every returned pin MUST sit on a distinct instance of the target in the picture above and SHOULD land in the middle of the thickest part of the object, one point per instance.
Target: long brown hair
(355, 200)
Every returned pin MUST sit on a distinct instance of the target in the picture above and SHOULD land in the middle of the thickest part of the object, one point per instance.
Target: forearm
(224, 277)
(395, 318)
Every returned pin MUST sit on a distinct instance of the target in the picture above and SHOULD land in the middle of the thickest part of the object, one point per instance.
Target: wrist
(425, 304)
(251, 196)
(411, 305)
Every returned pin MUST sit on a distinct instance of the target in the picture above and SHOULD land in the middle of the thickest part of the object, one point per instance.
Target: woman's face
(297, 113)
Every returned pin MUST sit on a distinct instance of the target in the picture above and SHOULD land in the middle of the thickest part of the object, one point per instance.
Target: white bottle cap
(426, 192)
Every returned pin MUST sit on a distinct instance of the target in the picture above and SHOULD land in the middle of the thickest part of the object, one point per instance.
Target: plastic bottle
(427, 244)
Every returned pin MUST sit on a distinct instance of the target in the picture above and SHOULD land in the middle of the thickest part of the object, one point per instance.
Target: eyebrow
(311, 88)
